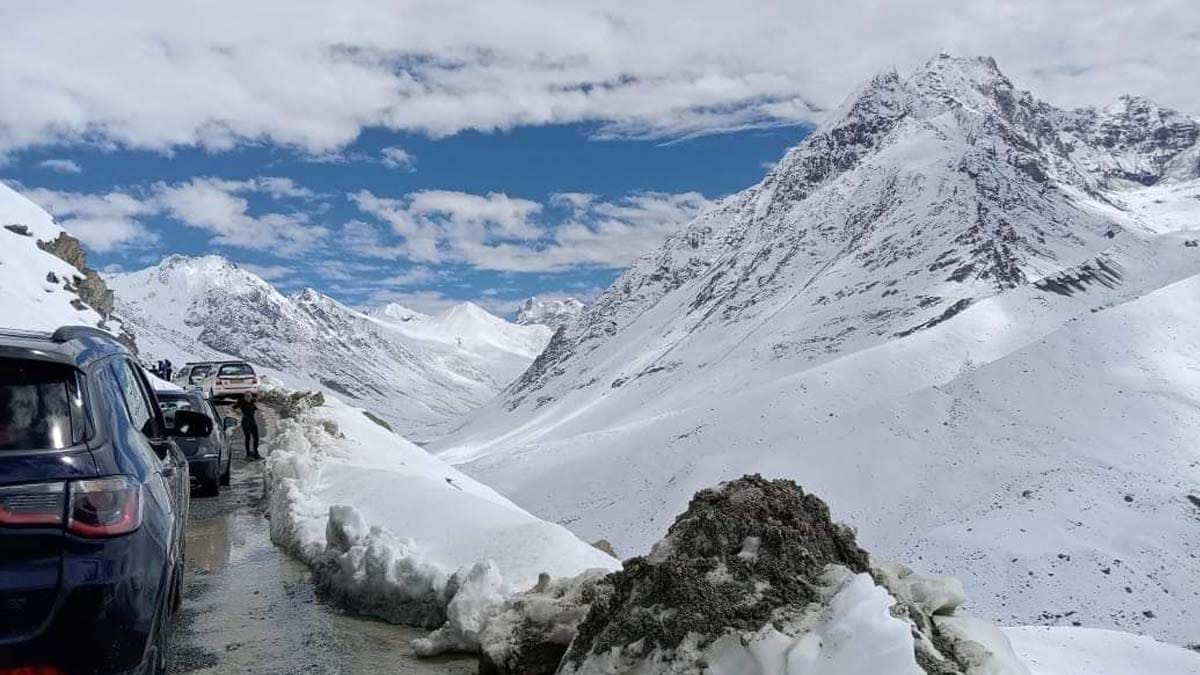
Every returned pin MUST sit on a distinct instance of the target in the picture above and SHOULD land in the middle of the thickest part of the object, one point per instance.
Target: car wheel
(210, 488)
(225, 476)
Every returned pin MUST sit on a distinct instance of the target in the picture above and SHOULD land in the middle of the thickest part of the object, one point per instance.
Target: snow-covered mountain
(965, 316)
(45, 281)
(552, 313)
(417, 372)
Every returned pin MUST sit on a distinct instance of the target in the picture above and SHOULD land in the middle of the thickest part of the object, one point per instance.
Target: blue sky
(427, 151)
(530, 163)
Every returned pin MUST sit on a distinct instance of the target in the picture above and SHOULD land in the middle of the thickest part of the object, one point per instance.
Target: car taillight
(31, 670)
(104, 507)
(37, 505)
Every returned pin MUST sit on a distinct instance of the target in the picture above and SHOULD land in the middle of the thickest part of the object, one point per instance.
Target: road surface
(250, 608)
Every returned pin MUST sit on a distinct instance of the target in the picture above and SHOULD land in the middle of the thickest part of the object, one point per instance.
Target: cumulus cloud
(498, 232)
(102, 222)
(157, 75)
(268, 272)
(61, 165)
(219, 206)
(396, 157)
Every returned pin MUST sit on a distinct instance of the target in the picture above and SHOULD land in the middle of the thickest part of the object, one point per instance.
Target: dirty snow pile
(393, 532)
(754, 578)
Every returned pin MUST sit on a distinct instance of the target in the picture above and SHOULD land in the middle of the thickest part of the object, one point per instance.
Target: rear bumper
(105, 614)
(234, 389)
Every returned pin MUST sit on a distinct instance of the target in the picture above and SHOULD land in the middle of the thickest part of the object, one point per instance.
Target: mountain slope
(419, 380)
(963, 315)
(44, 278)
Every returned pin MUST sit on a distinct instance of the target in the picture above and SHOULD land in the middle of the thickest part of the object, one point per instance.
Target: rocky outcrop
(88, 284)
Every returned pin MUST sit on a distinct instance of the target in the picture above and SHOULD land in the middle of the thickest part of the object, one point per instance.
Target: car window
(236, 369)
(40, 405)
(141, 413)
(199, 373)
(171, 405)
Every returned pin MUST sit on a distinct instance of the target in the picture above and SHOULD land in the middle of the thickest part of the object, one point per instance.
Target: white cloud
(159, 74)
(413, 276)
(219, 206)
(498, 232)
(101, 221)
(268, 272)
(396, 157)
(61, 165)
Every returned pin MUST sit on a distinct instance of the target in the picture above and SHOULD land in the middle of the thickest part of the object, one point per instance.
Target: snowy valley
(417, 372)
(964, 317)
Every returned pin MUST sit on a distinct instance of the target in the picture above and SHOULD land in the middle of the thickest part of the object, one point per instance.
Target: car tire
(225, 476)
(177, 591)
(210, 488)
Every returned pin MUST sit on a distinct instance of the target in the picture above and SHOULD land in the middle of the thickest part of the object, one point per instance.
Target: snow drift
(396, 533)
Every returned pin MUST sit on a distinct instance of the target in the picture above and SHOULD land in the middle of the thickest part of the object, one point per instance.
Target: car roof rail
(68, 333)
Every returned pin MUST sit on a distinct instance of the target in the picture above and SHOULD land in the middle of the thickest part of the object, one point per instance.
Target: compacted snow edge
(392, 532)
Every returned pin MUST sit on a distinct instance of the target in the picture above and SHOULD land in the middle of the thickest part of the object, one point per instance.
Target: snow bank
(396, 533)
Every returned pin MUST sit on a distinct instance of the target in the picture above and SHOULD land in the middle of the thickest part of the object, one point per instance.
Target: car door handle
(168, 471)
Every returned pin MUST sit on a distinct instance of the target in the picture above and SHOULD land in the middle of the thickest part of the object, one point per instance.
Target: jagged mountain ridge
(960, 312)
(851, 215)
(553, 313)
(419, 381)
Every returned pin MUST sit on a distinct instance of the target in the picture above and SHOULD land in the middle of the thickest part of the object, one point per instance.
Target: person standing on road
(247, 408)
(167, 368)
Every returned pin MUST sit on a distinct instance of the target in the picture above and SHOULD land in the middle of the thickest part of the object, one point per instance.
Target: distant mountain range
(553, 313)
(964, 316)
(417, 372)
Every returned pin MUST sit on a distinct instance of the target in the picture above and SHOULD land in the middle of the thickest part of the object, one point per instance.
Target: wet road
(250, 608)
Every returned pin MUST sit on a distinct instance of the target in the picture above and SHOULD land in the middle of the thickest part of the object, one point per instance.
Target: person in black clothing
(247, 408)
(167, 368)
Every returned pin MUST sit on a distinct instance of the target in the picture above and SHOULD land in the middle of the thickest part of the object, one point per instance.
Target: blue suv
(93, 506)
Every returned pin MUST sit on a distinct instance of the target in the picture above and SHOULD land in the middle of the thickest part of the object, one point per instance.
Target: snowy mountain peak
(552, 313)
(415, 371)
(397, 312)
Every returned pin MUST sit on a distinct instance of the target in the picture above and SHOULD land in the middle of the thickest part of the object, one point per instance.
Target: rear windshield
(40, 406)
(235, 369)
(173, 404)
(170, 405)
(199, 373)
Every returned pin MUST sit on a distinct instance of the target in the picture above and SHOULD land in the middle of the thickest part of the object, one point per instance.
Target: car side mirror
(231, 422)
(191, 424)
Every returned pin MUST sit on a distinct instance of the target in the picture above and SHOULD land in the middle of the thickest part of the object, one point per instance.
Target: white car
(233, 379)
(195, 375)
